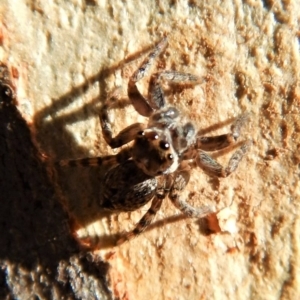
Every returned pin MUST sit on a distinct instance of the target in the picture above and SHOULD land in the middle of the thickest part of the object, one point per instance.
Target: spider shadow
(109, 241)
(51, 134)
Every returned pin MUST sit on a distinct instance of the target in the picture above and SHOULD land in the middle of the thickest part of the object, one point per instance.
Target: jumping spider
(159, 161)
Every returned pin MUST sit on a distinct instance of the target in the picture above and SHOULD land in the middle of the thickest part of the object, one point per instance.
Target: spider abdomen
(127, 188)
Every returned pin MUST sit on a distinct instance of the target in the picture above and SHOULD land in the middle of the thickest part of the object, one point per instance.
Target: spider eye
(152, 135)
(170, 157)
(164, 145)
(141, 133)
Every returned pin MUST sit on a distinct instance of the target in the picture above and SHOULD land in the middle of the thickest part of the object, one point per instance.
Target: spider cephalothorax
(161, 149)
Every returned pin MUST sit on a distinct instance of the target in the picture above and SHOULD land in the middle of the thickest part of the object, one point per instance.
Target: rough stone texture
(70, 54)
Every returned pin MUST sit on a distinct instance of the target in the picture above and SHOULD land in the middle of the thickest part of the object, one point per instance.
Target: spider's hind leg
(210, 165)
(144, 222)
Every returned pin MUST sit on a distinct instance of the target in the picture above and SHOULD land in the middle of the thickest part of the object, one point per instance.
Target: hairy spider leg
(156, 94)
(149, 216)
(145, 221)
(214, 143)
(119, 158)
(126, 135)
(210, 165)
(180, 182)
(140, 104)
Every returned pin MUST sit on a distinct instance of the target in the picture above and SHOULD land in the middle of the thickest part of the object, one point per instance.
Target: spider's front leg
(126, 135)
(180, 182)
(156, 95)
(140, 104)
(144, 222)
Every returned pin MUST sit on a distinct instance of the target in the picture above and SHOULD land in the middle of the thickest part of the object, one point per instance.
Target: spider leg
(119, 158)
(149, 216)
(212, 167)
(157, 99)
(144, 222)
(126, 135)
(213, 143)
(181, 180)
(123, 137)
(140, 104)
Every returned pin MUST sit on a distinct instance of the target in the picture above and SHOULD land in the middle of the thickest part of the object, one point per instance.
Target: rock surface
(65, 57)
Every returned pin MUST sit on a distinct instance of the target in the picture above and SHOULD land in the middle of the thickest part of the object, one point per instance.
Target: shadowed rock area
(39, 259)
